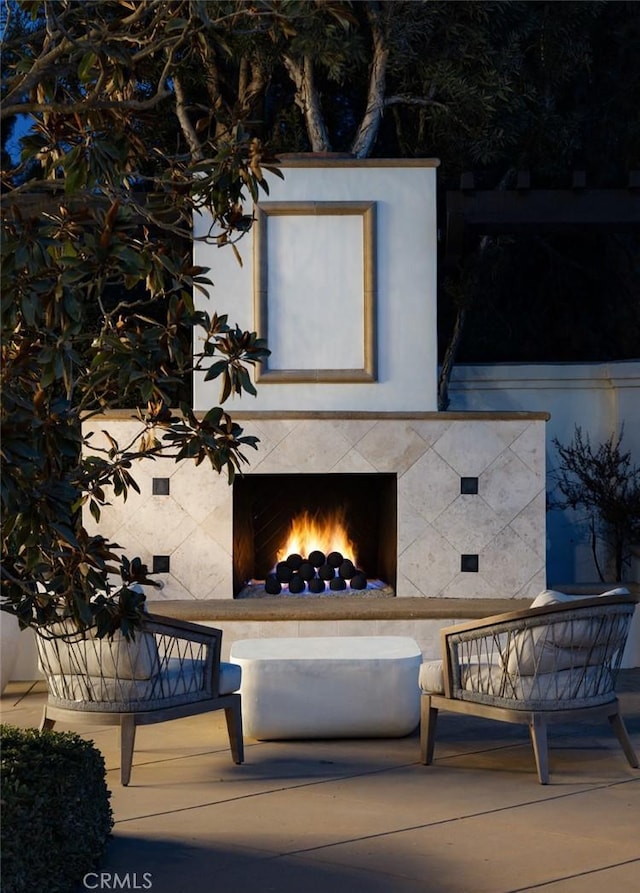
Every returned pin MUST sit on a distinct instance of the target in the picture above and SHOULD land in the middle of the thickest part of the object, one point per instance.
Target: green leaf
(246, 383)
(215, 370)
(86, 64)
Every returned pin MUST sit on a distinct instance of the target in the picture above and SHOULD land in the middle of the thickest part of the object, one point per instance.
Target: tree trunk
(252, 83)
(308, 101)
(451, 352)
(456, 337)
(365, 139)
(449, 360)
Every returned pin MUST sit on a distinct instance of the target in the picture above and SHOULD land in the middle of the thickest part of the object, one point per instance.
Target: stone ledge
(266, 609)
(272, 415)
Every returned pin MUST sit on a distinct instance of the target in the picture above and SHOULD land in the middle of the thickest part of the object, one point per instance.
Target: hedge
(56, 811)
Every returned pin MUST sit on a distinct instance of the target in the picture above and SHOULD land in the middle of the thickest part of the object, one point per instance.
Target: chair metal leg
(428, 723)
(620, 729)
(233, 715)
(46, 722)
(538, 732)
(127, 741)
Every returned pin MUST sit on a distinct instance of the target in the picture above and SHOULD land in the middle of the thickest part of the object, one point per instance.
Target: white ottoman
(340, 687)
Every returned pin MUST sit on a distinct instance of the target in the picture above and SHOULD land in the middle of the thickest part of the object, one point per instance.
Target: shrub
(56, 814)
(601, 482)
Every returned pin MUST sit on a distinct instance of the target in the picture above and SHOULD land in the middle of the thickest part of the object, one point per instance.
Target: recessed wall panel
(315, 299)
(315, 291)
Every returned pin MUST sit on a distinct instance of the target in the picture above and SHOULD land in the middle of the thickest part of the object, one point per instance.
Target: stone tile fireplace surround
(450, 543)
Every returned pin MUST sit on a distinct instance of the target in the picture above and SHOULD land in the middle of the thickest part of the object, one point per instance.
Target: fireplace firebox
(268, 507)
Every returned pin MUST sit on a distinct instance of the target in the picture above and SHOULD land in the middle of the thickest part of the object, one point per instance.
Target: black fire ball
(294, 561)
(283, 572)
(358, 581)
(317, 558)
(296, 584)
(316, 585)
(306, 570)
(335, 559)
(326, 572)
(272, 585)
(347, 569)
(337, 584)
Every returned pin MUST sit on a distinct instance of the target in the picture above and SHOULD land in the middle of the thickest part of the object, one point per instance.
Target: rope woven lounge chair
(171, 670)
(556, 661)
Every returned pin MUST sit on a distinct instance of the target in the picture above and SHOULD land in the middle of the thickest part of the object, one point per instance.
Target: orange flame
(309, 532)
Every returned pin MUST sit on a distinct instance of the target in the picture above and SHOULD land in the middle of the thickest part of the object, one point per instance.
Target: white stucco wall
(405, 275)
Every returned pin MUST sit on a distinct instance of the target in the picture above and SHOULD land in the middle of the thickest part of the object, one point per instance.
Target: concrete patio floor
(365, 816)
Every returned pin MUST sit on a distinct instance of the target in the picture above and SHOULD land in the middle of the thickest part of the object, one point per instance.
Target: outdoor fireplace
(314, 534)
(339, 275)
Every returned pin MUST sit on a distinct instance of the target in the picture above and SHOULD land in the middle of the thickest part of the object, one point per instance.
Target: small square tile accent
(469, 486)
(161, 564)
(160, 486)
(469, 564)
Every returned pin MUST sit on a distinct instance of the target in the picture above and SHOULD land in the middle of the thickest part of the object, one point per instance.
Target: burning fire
(309, 533)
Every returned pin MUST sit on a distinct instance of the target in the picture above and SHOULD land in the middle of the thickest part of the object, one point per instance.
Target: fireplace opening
(277, 518)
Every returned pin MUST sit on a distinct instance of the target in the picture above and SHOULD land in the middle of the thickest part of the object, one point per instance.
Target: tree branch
(68, 108)
(187, 127)
(420, 101)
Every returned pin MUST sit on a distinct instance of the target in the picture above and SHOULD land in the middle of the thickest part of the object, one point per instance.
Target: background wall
(599, 397)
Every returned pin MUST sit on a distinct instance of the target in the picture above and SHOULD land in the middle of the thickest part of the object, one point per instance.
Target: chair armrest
(182, 629)
(169, 632)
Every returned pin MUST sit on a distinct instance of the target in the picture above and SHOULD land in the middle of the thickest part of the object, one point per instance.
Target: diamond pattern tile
(508, 485)
(468, 523)
(430, 563)
(161, 525)
(430, 485)
(508, 563)
(470, 447)
(312, 447)
(198, 564)
(199, 490)
(504, 523)
(392, 447)
(530, 447)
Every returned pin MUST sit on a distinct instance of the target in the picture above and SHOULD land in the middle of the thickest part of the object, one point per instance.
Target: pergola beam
(495, 211)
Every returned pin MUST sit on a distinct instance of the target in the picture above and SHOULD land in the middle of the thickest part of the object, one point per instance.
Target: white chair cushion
(550, 597)
(116, 658)
(179, 678)
(555, 597)
(230, 678)
(558, 646)
(563, 686)
(431, 677)
(491, 680)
